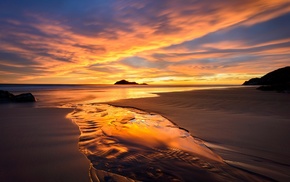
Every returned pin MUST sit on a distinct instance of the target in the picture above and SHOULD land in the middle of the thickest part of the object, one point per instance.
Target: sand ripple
(127, 144)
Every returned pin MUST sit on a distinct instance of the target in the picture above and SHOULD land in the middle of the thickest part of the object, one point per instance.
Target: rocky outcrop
(277, 87)
(125, 82)
(252, 81)
(279, 76)
(26, 97)
(278, 80)
(6, 96)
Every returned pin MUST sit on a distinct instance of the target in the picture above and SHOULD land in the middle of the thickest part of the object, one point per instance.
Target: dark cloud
(104, 68)
(33, 50)
(83, 17)
(272, 30)
(14, 59)
(92, 48)
(262, 44)
(29, 70)
(235, 51)
(139, 62)
(164, 26)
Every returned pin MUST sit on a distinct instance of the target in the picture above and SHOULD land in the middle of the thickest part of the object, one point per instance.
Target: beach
(40, 144)
(247, 128)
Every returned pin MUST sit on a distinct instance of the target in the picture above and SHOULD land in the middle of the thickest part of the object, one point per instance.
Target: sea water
(53, 95)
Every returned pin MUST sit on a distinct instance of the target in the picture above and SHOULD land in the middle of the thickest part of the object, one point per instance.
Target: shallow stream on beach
(126, 144)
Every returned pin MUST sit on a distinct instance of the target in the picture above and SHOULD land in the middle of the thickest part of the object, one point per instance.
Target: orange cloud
(66, 54)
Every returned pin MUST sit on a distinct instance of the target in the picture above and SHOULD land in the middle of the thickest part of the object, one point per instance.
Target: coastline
(246, 127)
(40, 144)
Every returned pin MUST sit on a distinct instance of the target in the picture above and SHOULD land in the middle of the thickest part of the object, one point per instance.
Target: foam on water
(127, 144)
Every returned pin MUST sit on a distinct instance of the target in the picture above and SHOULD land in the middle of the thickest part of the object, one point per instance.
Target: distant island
(278, 80)
(125, 82)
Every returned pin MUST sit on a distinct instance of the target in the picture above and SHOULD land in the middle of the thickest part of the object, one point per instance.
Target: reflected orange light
(106, 128)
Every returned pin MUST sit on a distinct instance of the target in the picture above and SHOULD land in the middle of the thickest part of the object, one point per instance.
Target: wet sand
(126, 144)
(248, 128)
(40, 144)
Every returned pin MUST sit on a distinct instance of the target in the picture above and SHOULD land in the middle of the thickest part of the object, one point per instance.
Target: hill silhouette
(125, 82)
(278, 80)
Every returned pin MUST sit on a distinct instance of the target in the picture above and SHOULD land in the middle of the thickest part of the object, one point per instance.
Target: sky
(157, 42)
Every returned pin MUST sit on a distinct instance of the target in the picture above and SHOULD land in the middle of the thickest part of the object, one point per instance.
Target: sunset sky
(157, 42)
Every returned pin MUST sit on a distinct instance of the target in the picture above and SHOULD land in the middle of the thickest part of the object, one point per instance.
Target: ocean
(56, 95)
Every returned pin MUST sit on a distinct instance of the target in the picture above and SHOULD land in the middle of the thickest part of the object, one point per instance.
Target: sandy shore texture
(249, 129)
(40, 144)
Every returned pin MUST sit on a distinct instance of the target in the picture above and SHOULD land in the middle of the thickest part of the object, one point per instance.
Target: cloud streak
(86, 42)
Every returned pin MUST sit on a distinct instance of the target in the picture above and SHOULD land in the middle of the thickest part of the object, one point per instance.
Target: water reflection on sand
(130, 144)
(100, 94)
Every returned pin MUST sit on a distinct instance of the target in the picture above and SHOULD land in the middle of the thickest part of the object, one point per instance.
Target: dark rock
(26, 97)
(125, 82)
(278, 80)
(279, 76)
(6, 96)
(252, 81)
(277, 87)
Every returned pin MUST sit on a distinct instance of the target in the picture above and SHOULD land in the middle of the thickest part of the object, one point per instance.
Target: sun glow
(180, 42)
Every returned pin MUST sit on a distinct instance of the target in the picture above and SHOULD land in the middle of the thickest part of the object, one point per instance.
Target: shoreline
(126, 143)
(246, 127)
